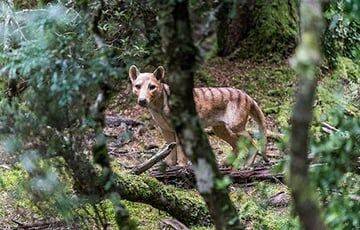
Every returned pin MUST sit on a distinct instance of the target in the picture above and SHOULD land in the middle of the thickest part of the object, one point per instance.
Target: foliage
(52, 57)
(56, 58)
(130, 27)
(342, 35)
(337, 175)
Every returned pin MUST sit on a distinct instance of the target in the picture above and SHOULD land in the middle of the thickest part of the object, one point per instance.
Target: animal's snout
(142, 102)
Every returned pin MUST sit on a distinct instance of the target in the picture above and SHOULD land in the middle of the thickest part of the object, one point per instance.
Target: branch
(154, 159)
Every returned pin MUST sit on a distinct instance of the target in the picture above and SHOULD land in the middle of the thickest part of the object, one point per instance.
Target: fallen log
(184, 176)
(184, 205)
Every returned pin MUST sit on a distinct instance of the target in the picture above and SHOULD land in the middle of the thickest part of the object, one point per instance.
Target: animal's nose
(142, 102)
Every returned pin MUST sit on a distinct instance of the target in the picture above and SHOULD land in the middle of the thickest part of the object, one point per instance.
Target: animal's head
(146, 86)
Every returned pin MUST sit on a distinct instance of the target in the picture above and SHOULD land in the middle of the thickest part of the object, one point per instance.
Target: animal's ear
(159, 73)
(133, 73)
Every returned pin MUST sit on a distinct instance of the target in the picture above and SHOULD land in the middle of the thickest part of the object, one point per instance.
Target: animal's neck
(161, 104)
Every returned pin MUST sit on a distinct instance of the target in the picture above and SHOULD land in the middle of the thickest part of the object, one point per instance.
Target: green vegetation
(52, 71)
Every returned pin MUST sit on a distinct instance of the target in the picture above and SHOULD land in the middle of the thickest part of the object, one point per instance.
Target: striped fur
(226, 110)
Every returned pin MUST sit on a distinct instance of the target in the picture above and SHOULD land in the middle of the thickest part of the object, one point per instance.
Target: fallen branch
(184, 176)
(153, 160)
(328, 128)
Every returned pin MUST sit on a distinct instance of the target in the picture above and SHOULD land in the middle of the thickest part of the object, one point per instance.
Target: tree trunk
(231, 30)
(251, 29)
(178, 43)
(305, 62)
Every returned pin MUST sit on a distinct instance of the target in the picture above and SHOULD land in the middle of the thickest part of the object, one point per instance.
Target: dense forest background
(71, 132)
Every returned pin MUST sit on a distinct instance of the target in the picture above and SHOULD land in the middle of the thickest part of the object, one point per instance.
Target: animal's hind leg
(261, 152)
(227, 135)
(247, 136)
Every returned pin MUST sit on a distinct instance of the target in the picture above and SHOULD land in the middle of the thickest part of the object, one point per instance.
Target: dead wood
(154, 159)
(184, 176)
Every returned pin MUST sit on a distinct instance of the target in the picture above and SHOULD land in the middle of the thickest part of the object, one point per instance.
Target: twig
(153, 160)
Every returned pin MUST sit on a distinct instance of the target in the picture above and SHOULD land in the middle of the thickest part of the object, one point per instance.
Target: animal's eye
(152, 87)
(138, 86)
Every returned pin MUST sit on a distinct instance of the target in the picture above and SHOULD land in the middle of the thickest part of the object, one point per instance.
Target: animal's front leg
(170, 137)
(182, 159)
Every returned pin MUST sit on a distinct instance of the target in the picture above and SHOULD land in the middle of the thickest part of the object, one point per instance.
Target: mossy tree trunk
(181, 53)
(255, 28)
(306, 61)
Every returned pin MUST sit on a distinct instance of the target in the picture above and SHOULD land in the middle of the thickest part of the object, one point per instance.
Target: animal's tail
(258, 116)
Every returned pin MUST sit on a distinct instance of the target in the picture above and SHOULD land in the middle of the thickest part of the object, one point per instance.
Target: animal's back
(217, 105)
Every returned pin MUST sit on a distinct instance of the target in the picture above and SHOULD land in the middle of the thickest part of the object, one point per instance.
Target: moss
(255, 211)
(204, 78)
(12, 194)
(146, 216)
(339, 90)
(274, 33)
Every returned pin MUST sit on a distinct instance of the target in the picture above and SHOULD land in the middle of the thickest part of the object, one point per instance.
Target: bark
(305, 61)
(231, 30)
(179, 47)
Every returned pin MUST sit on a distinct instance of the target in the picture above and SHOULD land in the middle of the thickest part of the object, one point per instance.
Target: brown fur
(226, 110)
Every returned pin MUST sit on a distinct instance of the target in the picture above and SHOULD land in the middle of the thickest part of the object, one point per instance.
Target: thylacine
(226, 110)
